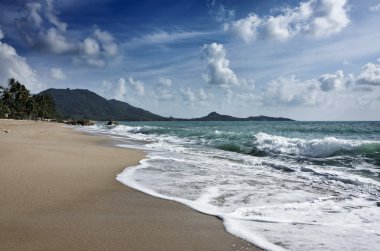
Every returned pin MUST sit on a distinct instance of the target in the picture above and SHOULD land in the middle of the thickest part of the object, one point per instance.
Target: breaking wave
(315, 148)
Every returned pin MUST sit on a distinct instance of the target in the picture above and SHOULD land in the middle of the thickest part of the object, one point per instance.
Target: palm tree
(17, 101)
(7, 101)
(30, 107)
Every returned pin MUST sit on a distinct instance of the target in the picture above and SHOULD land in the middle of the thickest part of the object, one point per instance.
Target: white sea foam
(309, 208)
(312, 148)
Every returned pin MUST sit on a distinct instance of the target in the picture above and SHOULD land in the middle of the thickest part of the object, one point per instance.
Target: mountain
(213, 116)
(84, 104)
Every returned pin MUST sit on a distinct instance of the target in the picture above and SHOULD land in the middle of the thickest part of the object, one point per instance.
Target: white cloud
(218, 70)
(57, 73)
(166, 82)
(188, 95)
(164, 37)
(319, 18)
(42, 28)
(15, 66)
(123, 89)
(91, 47)
(291, 91)
(51, 15)
(53, 41)
(375, 8)
(34, 15)
(107, 42)
(192, 97)
(96, 62)
(162, 89)
(335, 81)
(203, 96)
(370, 75)
(245, 28)
(116, 90)
(220, 13)
(138, 86)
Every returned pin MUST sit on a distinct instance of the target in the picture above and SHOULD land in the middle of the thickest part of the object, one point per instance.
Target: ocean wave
(315, 148)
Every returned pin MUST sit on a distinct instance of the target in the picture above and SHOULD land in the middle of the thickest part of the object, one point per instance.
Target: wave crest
(316, 148)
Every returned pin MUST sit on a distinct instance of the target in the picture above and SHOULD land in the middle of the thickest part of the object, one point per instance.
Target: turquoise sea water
(280, 185)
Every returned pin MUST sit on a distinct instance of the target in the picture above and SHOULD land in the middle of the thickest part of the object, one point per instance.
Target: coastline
(59, 192)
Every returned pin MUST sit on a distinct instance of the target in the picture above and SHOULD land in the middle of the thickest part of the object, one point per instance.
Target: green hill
(84, 104)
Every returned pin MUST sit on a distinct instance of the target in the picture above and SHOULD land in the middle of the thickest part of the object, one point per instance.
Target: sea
(279, 185)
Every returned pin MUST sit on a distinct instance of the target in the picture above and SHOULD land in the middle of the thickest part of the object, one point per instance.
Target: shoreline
(64, 195)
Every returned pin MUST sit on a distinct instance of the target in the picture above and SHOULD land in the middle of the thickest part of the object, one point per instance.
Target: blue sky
(308, 60)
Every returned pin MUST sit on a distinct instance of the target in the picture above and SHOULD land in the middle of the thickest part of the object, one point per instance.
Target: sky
(306, 60)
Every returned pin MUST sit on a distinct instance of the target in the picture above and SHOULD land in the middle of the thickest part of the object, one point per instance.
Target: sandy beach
(58, 192)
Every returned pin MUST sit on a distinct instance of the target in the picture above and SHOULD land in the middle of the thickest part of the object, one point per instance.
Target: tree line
(16, 102)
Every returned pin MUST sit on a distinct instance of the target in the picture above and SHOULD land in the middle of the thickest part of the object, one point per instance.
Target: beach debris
(378, 203)
(7, 131)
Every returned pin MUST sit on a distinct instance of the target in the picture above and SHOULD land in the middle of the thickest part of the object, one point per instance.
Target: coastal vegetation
(17, 102)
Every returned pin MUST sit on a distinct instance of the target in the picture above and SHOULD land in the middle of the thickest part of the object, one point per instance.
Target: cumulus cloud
(53, 41)
(166, 82)
(326, 89)
(218, 69)
(292, 91)
(57, 73)
(116, 90)
(335, 81)
(370, 75)
(318, 18)
(188, 94)
(91, 47)
(203, 96)
(123, 88)
(137, 86)
(162, 90)
(42, 28)
(245, 28)
(95, 50)
(192, 97)
(107, 41)
(15, 66)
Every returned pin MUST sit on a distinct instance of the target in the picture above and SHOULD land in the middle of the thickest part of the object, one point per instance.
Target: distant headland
(85, 104)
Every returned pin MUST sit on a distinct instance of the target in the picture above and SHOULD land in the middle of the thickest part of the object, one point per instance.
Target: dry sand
(58, 192)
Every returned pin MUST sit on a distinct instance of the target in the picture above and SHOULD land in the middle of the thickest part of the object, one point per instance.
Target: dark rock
(80, 122)
(378, 203)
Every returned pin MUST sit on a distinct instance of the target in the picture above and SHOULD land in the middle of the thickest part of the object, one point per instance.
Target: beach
(58, 192)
